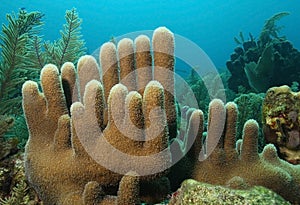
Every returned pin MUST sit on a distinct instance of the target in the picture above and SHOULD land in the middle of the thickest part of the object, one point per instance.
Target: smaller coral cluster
(281, 122)
(218, 159)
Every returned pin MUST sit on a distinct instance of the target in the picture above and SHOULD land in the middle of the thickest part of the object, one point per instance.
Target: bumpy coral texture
(68, 138)
(218, 160)
(281, 122)
(193, 192)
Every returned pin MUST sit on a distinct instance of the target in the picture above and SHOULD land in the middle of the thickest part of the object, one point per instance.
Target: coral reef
(70, 144)
(85, 117)
(270, 61)
(193, 192)
(281, 120)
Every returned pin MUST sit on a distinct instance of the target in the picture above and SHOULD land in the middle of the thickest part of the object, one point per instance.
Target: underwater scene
(150, 102)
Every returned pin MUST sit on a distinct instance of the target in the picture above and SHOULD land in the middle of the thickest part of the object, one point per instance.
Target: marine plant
(15, 64)
(69, 48)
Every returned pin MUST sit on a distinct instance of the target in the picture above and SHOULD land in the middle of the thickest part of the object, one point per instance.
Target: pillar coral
(78, 111)
(217, 159)
(81, 115)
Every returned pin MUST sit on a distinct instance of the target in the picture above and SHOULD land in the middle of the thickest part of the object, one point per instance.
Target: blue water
(211, 24)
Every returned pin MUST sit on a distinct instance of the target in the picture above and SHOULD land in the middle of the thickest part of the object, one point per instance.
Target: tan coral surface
(111, 132)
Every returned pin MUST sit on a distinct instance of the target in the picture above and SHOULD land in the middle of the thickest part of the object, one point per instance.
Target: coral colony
(108, 132)
(54, 136)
